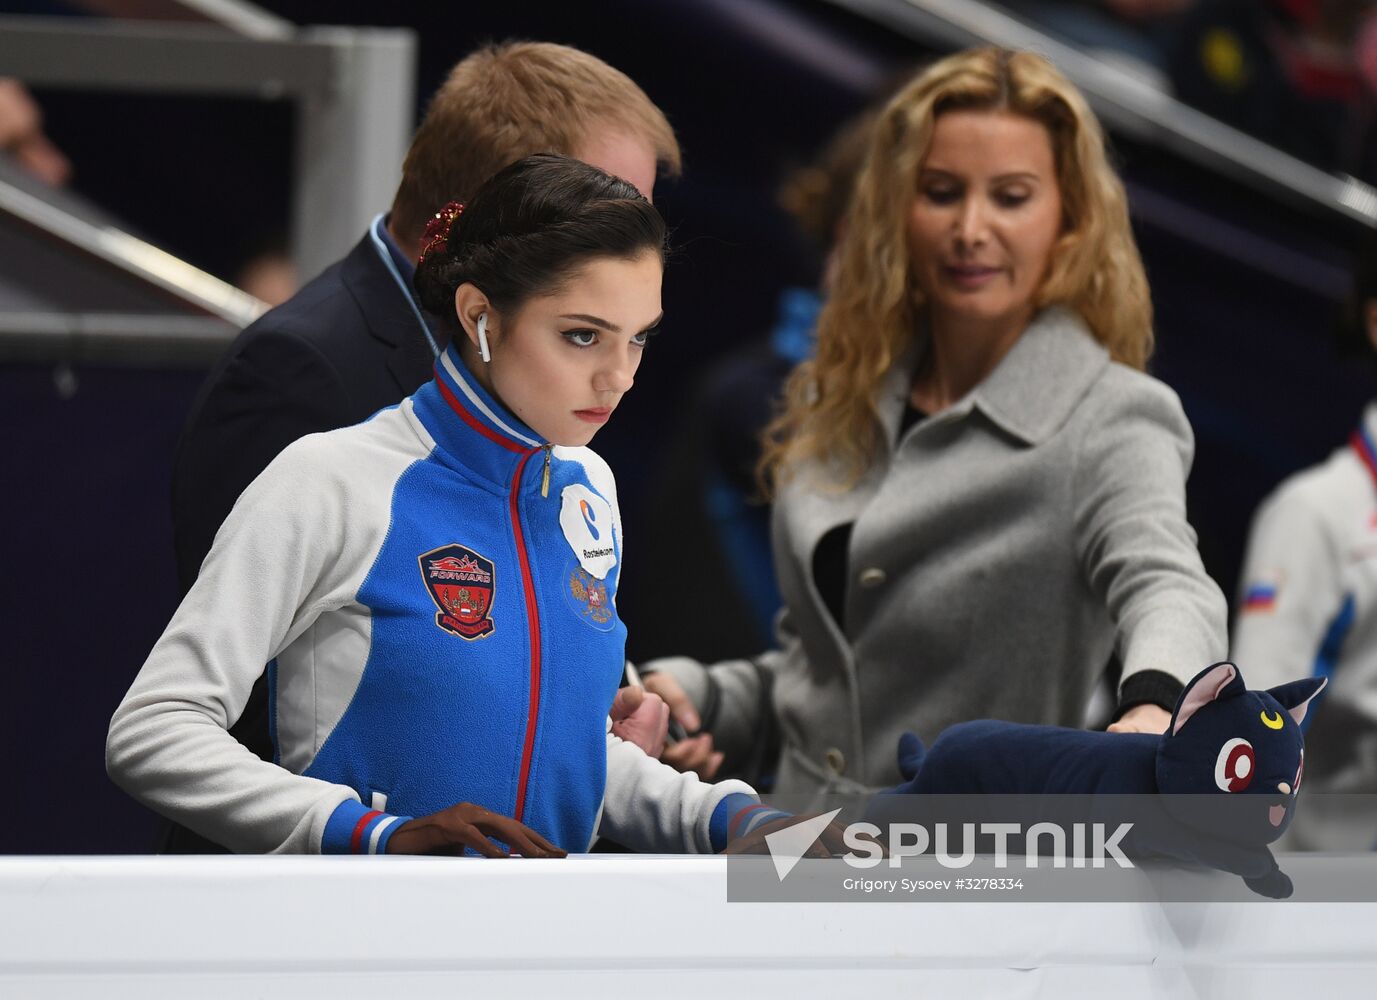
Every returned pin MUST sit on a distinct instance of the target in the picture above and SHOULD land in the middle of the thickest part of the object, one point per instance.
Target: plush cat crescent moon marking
(1272, 721)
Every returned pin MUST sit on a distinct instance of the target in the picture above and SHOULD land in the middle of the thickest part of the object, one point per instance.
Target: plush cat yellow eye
(1272, 721)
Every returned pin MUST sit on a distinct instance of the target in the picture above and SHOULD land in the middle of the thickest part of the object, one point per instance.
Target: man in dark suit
(354, 340)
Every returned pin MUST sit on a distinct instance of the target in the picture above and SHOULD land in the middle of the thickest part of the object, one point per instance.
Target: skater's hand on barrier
(451, 830)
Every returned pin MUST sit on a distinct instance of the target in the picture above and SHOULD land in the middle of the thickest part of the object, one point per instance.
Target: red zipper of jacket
(533, 626)
(527, 582)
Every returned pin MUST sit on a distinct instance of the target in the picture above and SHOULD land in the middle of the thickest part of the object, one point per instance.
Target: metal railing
(214, 311)
(355, 91)
(1130, 103)
(355, 88)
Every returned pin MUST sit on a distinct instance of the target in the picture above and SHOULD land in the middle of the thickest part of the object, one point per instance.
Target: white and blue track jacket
(1308, 606)
(434, 593)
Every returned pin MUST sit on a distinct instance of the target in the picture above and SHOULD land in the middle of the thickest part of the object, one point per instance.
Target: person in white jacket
(1307, 605)
(434, 589)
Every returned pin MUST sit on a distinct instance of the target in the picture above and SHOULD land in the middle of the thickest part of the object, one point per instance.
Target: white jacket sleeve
(279, 560)
(652, 808)
(1293, 573)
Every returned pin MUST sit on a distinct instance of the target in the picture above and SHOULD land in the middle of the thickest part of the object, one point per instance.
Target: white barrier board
(612, 926)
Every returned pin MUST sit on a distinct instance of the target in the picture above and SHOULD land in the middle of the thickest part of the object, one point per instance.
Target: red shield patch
(461, 583)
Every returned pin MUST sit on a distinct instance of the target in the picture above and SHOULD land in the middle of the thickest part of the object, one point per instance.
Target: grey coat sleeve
(1133, 540)
(740, 689)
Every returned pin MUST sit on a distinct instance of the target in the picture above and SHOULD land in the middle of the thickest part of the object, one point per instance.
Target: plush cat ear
(1296, 696)
(1211, 684)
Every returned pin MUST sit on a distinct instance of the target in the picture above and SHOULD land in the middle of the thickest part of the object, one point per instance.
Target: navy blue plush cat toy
(1224, 742)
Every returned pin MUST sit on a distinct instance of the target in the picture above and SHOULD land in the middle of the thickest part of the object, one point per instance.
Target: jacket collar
(389, 309)
(1364, 441)
(471, 429)
(1368, 424)
(1033, 389)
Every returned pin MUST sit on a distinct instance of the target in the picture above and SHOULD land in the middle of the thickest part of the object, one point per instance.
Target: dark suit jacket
(345, 346)
(334, 354)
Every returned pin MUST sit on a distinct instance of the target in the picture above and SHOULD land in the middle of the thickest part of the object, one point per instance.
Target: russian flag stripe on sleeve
(356, 838)
(734, 828)
(737, 815)
(353, 828)
(1260, 597)
(376, 841)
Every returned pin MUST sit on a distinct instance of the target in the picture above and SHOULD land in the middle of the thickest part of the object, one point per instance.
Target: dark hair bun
(532, 225)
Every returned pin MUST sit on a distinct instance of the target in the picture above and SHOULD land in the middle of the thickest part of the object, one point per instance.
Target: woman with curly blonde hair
(979, 494)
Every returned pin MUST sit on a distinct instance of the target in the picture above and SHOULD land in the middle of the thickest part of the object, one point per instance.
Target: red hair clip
(438, 229)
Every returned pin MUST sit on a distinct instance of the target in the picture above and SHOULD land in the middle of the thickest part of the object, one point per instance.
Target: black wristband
(1148, 687)
(712, 699)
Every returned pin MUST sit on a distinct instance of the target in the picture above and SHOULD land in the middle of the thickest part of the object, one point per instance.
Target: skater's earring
(483, 350)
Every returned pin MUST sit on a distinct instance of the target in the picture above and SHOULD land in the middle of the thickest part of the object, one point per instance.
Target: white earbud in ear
(483, 350)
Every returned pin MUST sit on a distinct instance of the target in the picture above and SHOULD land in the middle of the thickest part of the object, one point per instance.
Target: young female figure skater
(434, 589)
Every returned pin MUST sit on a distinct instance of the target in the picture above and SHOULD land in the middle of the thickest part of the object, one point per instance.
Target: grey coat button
(836, 760)
(872, 577)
